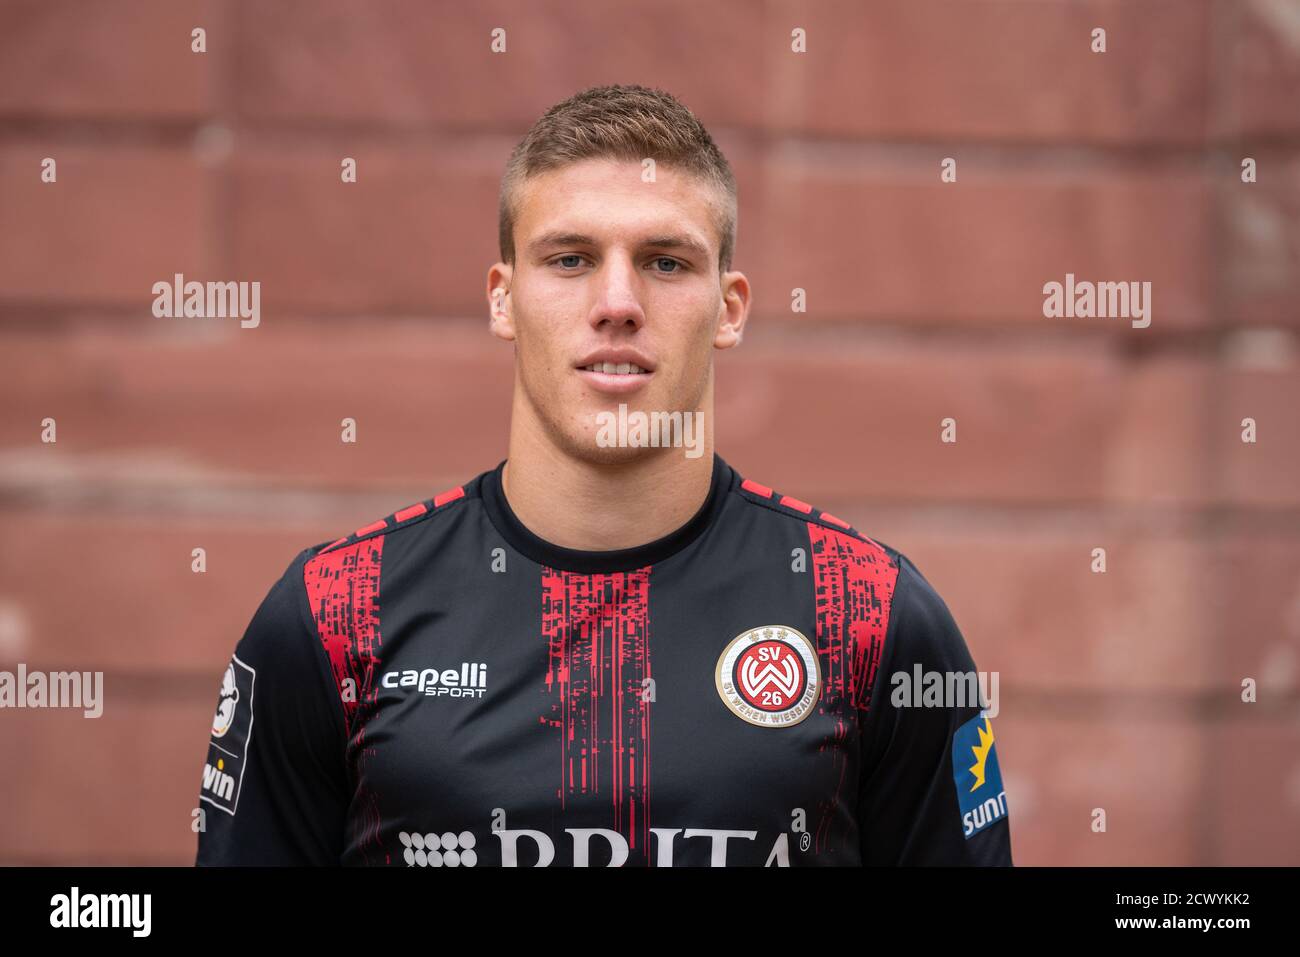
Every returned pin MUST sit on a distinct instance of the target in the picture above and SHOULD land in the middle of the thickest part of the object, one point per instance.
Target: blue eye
(665, 259)
(569, 256)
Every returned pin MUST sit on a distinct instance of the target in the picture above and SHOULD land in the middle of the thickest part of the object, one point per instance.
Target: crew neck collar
(593, 562)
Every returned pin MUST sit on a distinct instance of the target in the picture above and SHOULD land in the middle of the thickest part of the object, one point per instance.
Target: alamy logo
(75, 909)
(469, 682)
(1103, 300)
(639, 430)
(213, 300)
(55, 689)
(945, 689)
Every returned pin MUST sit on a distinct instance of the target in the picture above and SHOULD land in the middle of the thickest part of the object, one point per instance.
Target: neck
(579, 504)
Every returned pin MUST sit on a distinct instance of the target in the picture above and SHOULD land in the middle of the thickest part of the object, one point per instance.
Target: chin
(617, 455)
(583, 447)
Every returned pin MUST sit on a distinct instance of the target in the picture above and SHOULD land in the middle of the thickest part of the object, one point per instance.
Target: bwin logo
(432, 850)
(217, 781)
(975, 770)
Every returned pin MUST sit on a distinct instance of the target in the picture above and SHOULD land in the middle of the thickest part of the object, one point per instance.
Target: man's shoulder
(318, 569)
(411, 516)
(819, 521)
(848, 557)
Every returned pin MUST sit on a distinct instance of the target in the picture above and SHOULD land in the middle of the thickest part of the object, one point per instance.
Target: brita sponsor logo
(469, 682)
(525, 847)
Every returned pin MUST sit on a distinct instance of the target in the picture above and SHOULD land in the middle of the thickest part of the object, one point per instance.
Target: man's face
(614, 297)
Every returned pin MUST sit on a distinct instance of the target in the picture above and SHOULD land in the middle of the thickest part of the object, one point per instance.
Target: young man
(611, 649)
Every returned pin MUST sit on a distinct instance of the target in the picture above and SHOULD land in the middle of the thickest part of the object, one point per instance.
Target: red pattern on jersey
(343, 593)
(597, 629)
(854, 590)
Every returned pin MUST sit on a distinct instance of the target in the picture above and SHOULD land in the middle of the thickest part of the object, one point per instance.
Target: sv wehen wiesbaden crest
(769, 676)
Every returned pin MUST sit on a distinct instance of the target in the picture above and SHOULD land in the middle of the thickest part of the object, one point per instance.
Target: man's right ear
(499, 322)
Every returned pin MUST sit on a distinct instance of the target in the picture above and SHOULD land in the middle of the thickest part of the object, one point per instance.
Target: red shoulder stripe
(406, 514)
(448, 496)
(410, 512)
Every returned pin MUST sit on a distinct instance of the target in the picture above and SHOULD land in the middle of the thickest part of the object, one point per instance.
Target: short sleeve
(274, 784)
(931, 789)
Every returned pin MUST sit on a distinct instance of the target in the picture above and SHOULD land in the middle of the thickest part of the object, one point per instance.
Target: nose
(618, 300)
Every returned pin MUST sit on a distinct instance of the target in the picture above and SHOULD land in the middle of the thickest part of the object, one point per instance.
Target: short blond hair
(627, 123)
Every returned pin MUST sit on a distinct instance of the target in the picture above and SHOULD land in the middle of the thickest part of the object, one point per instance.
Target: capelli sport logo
(469, 681)
(769, 676)
(975, 770)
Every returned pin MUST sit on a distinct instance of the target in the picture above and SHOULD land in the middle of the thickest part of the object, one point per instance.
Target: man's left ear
(735, 310)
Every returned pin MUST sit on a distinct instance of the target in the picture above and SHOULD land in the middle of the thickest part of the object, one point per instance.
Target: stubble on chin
(574, 433)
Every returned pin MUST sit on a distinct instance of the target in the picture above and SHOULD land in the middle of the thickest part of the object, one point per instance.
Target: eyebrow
(667, 241)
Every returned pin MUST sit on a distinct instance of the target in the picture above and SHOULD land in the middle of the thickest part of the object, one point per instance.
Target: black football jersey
(442, 688)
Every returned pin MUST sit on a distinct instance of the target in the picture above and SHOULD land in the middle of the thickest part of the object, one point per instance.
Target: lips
(615, 371)
(615, 368)
(616, 361)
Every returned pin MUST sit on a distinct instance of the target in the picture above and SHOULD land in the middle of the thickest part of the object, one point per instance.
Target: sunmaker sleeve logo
(769, 676)
(232, 732)
(979, 780)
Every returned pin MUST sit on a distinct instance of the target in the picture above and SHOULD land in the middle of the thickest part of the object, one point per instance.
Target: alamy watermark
(641, 430)
(77, 910)
(55, 689)
(1101, 300)
(212, 300)
(945, 689)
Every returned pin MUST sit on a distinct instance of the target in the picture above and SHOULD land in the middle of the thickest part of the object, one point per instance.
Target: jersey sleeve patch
(232, 734)
(980, 794)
